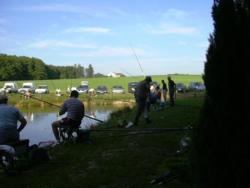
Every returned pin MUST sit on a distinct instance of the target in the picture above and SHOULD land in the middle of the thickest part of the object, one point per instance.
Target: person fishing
(172, 89)
(9, 118)
(164, 91)
(142, 92)
(75, 112)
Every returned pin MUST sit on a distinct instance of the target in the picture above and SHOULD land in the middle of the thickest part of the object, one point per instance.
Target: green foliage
(220, 155)
(25, 68)
(89, 71)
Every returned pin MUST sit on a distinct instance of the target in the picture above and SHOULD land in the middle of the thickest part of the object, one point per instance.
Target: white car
(9, 87)
(118, 89)
(42, 89)
(27, 87)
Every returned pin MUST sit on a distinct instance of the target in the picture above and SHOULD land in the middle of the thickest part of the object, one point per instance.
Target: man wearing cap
(9, 116)
(142, 92)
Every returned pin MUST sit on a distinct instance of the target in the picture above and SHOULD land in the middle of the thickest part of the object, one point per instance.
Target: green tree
(221, 154)
(89, 71)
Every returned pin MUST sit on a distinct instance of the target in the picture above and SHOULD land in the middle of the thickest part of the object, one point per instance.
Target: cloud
(74, 9)
(67, 8)
(88, 30)
(166, 29)
(175, 13)
(56, 44)
(106, 51)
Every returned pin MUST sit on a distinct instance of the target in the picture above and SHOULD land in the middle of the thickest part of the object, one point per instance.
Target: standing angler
(172, 88)
(142, 92)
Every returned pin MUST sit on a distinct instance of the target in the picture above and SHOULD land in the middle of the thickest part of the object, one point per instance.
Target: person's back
(74, 109)
(9, 117)
(75, 112)
(142, 90)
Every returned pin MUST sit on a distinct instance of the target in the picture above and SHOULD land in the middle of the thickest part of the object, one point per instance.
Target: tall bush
(221, 149)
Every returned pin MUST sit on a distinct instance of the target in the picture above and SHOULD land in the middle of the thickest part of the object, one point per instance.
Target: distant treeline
(26, 68)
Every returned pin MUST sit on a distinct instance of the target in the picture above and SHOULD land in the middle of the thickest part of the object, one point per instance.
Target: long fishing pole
(145, 130)
(137, 59)
(60, 107)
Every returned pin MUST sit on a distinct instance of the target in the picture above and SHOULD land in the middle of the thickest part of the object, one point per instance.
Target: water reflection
(39, 123)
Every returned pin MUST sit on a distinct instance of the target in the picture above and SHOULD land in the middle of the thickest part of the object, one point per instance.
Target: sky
(133, 37)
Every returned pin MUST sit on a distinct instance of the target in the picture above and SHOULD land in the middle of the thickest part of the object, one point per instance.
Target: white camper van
(9, 87)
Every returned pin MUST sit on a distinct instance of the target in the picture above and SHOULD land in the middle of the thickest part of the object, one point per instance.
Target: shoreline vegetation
(120, 159)
(52, 101)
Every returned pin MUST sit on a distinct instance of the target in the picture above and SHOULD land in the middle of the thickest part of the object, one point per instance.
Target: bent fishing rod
(60, 107)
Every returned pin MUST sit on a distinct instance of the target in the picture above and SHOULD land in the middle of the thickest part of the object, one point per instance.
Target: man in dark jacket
(142, 92)
(172, 89)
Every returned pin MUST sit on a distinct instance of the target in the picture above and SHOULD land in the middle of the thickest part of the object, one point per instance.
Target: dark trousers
(141, 105)
(171, 98)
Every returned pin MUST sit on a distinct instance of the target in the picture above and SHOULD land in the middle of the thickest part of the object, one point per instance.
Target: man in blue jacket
(9, 117)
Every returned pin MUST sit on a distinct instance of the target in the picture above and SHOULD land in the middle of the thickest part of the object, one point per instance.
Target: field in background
(63, 84)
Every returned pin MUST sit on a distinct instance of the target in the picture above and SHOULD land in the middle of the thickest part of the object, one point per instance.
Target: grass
(63, 84)
(116, 159)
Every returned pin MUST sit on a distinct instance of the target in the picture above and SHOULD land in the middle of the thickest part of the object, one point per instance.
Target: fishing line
(60, 107)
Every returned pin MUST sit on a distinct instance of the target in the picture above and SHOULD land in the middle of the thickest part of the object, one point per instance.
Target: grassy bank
(115, 159)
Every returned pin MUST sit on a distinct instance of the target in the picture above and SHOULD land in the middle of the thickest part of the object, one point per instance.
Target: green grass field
(63, 84)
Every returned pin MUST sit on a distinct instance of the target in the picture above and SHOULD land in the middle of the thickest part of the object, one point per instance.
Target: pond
(38, 128)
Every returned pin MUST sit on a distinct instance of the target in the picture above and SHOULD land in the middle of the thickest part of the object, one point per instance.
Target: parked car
(118, 89)
(42, 89)
(9, 87)
(196, 86)
(83, 89)
(101, 89)
(27, 87)
(132, 86)
(181, 88)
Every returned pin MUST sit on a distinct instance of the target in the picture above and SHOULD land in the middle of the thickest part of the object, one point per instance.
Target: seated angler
(75, 113)
(9, 118)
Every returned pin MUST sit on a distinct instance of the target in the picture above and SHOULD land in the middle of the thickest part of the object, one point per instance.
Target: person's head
(162, 81)
(74, 94)
(157, 87)
(3, 99)
(169, 78)
(148, 79)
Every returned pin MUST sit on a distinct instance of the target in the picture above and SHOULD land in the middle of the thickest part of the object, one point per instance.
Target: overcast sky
(167, 36)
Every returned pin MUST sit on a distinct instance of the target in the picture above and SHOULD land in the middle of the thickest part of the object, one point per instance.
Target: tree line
(25, 68)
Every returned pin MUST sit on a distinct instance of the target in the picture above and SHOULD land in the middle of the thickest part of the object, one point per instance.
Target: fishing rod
(145, 130)
(60, 107)
(137, 59)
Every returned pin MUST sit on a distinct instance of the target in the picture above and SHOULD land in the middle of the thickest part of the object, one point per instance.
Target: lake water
(38, 128)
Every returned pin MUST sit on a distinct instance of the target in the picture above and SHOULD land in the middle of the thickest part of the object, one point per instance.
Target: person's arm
(23, 124)
(63, 109)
